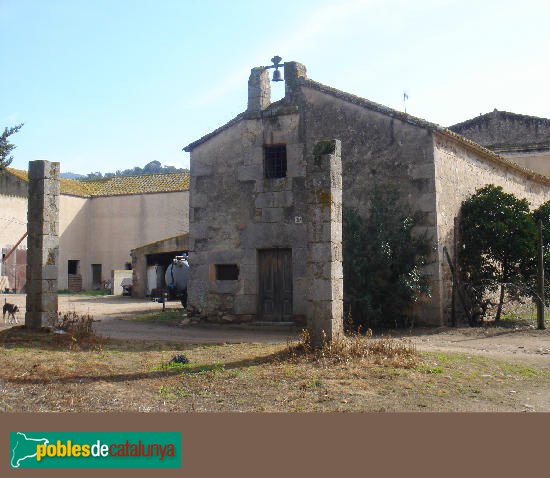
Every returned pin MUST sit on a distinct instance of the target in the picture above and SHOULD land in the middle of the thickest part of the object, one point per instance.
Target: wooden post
(540, 271)
(458, 287)
(455, 262)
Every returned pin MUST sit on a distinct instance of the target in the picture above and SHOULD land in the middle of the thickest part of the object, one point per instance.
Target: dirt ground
(233, 369)
(113, 314)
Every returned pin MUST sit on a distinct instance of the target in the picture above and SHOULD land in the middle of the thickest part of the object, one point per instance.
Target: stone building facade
(522, 139)
(248, 216)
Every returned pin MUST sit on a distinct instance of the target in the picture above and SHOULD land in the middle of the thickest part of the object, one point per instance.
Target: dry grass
(354, 348)
(78, 327)
(71, 331)
(42, 371)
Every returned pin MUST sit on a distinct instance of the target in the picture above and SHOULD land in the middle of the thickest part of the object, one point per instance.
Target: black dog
(11, 310)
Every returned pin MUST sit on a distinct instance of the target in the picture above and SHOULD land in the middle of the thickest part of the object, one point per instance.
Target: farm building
(248, 207)
(100, 223)
(522, 139)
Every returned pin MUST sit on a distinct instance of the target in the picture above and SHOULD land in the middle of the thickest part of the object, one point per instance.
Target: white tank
(176, 274)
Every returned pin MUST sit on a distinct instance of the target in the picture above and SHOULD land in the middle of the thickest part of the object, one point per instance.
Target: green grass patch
(313, 383)
(170, 316)
(425, 368)
(191, 369)
(173, 393)
(521, 370)
(473, 367)
(98, 293)
(524, 319)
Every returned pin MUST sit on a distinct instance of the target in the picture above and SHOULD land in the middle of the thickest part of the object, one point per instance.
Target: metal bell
(277, 76)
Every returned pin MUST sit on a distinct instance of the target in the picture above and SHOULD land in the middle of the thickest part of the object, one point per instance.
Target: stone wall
(378, 151)
(501, 130)
(234, 212)
(459, 173)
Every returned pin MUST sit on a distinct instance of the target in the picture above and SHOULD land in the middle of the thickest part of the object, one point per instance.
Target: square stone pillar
(42, 243)
(324, 236)
(259, 90)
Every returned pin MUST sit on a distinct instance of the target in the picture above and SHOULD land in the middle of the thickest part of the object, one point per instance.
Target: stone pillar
(259, 90)
(294, 72)
(324, 236)
(42, 243)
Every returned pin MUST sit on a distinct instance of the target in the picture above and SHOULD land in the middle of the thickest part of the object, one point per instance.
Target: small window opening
(73, 267)
(275, 161)
(227, 272)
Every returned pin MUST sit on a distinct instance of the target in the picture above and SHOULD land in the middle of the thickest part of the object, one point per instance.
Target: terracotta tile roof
(147, 183)
(18, 173)
(118, 185)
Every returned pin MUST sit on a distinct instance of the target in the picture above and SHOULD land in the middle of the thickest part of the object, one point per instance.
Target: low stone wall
(117, 276)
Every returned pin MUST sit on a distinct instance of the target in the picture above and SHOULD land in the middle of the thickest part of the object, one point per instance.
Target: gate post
(324, 238)
(42, 243)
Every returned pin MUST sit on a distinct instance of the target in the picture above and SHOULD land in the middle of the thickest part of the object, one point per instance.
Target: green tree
(382, 261)
(542, 214)
(6, 147)
(498, 237)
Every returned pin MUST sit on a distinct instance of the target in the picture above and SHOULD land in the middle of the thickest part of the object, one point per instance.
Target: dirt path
(112, 314)
(521, 344)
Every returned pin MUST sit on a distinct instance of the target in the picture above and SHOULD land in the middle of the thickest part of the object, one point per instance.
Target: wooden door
(96, 275)
(275, 284)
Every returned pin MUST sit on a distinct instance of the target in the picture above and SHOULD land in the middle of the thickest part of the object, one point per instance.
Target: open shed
(149, 263)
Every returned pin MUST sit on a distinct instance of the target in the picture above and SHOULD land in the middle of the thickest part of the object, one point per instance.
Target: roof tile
(118, 185)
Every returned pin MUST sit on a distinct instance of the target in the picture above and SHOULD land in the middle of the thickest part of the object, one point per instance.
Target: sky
(105, 85)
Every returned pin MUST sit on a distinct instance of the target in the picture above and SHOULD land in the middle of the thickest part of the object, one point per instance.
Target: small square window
(227, 272)
(275, 161)
(73, 267)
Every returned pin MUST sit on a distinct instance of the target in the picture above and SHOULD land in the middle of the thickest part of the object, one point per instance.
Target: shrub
(383, 261)
(79, 327)
(542, 214)
(498, 240)
(352, 348)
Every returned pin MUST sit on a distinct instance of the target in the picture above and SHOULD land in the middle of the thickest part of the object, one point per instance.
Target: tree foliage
(496, 257)
(6, 147)
(542, 214)
(383, 260)
(153, 167)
